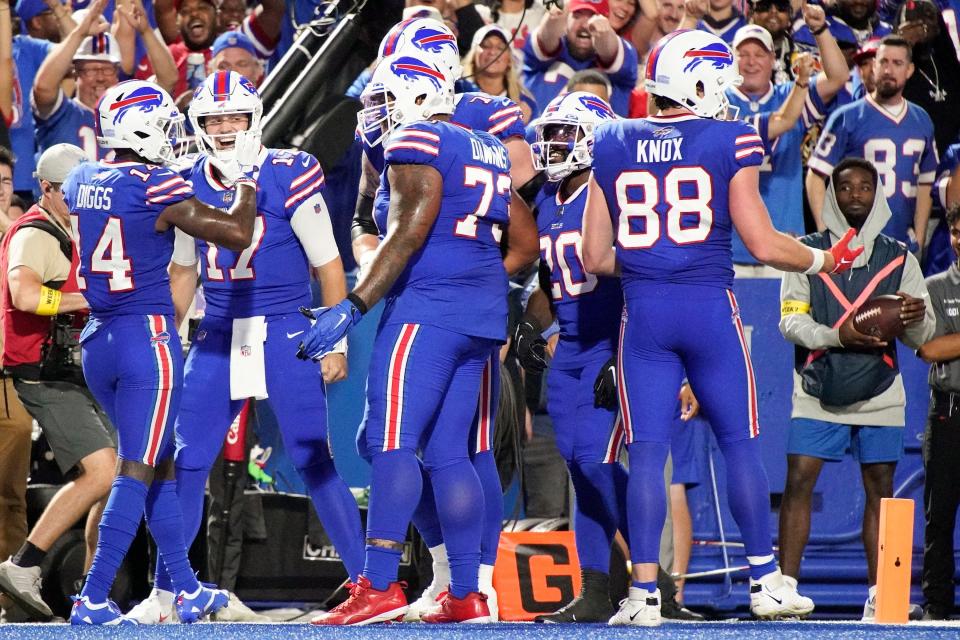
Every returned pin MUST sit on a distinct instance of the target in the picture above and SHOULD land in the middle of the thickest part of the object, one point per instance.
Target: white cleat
(640, 609)
(428, 602)
(156, 608)
(775, 597)
(237, 611)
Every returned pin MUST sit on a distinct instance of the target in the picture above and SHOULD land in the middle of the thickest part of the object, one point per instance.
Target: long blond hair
(514, 88)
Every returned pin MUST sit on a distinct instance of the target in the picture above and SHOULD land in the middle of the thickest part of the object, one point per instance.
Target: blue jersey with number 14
(666, 183)
(456, 280)
(123, 259)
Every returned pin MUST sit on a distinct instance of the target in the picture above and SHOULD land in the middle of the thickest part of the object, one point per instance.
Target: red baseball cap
(599, 7)
(867, 50)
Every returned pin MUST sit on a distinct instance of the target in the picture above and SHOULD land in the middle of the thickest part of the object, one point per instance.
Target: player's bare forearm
(521, 238)
(598, 255)
(414, 205)
(816, 193)
(538, 308)
(232, 230)
(921, 214)
(521, 162)
(941, 349)
(333, 283)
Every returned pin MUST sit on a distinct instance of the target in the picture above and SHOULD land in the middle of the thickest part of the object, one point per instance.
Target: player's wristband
(49, 301)
(358, 303)
(817, 265)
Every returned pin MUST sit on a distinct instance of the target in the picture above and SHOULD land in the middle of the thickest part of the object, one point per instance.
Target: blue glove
(331, 324)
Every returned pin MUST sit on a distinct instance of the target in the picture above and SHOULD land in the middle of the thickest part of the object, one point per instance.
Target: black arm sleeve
(363, 223)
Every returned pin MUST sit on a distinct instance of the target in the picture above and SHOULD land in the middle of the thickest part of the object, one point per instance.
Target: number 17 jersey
(666, 183)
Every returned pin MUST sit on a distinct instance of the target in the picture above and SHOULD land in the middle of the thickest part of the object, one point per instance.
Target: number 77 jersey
(456, 279)
(666, 183)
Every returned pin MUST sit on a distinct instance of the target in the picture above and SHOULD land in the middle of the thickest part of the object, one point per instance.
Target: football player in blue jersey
(123, 215)
(244, 340)
(588, 310)
(892, 133)
(449, 194)
(665, 195)
(500, 116)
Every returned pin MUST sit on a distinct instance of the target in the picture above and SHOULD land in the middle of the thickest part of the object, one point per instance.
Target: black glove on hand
(531, 347)
(605, 386)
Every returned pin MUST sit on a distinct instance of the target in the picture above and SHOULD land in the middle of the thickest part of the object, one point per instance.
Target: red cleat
(471, 608)
(366, 605)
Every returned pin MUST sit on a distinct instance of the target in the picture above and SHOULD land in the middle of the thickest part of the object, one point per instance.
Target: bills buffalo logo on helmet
(411, 69)
(143, 98)
(597, 106)
(716, 54)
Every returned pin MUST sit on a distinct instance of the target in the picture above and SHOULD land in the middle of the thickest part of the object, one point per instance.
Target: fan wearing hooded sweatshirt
(848, 394)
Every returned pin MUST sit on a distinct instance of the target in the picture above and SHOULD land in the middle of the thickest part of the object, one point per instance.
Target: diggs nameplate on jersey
(94, 197)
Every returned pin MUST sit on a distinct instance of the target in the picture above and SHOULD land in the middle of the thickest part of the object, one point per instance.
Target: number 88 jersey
(666, 183)
(123, 260)
(456, 279)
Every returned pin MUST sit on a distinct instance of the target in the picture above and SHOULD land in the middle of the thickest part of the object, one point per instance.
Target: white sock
(872, 592)
(165, 598)
(485, 578)
(441, 566)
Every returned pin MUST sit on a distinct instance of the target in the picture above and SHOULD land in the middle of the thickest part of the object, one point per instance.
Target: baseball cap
(178, 3)
(58, 161)
(100, 48)
(753, 32)
(600, 7)
(485, 31)
(27, 9)
(231, 39)
(867, 51)
(420, 11)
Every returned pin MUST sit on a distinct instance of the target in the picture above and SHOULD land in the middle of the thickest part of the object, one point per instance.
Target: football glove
(843, 255)
(241, 167)
(330, 325)
(531, 347)
(605, 386)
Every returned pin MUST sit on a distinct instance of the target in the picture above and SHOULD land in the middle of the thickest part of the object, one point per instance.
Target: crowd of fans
(820, 83)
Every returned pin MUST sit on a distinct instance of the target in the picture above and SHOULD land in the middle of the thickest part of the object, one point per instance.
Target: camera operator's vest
(839, 376)
(27, 335)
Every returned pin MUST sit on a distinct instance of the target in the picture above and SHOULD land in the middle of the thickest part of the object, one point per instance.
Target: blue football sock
(596, 513)
(761, 565)
(647, 500)
(165, 522)
(118, 526)
(486, 467)
(338, 512)
(191, 488)
(457, 490)
(748, 494)
(395, 485)
(425, 516)
(649, 586)
(620, 480)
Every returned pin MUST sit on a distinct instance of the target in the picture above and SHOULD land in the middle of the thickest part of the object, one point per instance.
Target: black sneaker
(671, 610)
(934, 613)
(592, 605)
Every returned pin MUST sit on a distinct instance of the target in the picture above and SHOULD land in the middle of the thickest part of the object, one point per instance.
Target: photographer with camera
(41, 317)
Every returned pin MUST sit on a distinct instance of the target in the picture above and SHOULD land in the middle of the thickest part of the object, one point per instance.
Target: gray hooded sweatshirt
(799, 327)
